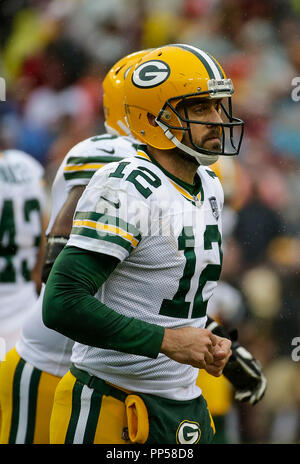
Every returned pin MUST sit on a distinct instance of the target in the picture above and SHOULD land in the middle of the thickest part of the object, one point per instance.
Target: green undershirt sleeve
(69, 306)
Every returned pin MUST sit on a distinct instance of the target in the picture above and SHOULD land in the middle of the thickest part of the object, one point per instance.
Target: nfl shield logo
(214, 207)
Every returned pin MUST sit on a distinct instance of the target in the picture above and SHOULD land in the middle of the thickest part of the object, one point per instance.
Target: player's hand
(221, 354)
(245, 374)
(190, 345)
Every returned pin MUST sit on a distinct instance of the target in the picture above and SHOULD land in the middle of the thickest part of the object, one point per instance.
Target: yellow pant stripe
(7, 371)
(45, 397)
(26, 398)
(62, 409)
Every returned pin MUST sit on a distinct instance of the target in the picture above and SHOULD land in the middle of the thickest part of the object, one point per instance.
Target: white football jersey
(22, 201)
(168, 242)
(82, 161)
(46, 349)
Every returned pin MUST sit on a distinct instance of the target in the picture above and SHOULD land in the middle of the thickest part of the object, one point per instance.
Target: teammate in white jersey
(142, 261)
(22, 214)
(51, 352)
(41, 356)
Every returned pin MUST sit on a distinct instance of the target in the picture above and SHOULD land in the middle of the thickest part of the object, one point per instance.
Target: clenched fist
(221, 354)
(197, 347)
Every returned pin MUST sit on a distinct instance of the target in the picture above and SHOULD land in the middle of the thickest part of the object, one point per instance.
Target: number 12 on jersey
(178, 306)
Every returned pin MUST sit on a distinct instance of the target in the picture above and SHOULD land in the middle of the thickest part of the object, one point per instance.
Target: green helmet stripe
(213, 69)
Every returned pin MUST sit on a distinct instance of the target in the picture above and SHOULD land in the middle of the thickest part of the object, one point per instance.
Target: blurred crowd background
(54, 55)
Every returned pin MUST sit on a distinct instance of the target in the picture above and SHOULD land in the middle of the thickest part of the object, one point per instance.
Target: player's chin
(214, 145)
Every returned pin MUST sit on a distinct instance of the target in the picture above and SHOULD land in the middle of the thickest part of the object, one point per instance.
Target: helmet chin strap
(204, 160)
(124, 127)
(112, 131)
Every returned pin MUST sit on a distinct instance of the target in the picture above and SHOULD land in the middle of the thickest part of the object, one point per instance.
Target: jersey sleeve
(110, 217)
(85, 158)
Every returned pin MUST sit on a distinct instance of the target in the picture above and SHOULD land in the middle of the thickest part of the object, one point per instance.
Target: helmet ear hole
(151, 119)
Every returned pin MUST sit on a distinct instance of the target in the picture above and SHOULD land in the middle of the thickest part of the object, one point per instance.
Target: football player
(41, 356)
(132, 285)
(22, 227)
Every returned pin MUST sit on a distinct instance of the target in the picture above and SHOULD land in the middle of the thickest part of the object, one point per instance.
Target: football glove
(242, 370)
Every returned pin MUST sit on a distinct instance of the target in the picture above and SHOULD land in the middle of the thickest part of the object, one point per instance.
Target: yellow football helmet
(113, 88)
(169, 75)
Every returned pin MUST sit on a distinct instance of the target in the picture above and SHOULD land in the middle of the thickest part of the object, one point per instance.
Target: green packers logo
(151, 74)
(188, 433)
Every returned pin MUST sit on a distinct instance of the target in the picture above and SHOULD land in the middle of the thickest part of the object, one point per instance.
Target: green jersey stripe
(110, 220)
(105, 236)
(79, 174)
(93, 159)
(104, 137)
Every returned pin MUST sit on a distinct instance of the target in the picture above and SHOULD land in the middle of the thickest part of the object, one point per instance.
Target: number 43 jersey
(22, 202)
(167, 236)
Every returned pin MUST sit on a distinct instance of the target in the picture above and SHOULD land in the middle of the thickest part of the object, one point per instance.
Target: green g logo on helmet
(151, 74)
